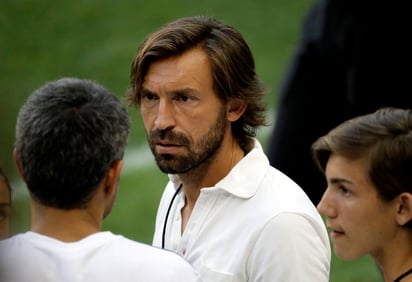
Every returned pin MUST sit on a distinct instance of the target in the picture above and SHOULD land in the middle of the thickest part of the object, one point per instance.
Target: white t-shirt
(255, 225)
(101, 257)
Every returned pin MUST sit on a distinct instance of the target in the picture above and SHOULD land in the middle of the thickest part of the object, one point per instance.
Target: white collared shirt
(255, 224)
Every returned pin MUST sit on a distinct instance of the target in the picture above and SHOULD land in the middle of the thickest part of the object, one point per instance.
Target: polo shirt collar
(244, 178)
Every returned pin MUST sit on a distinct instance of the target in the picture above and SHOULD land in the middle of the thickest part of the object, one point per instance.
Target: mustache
(158, 135)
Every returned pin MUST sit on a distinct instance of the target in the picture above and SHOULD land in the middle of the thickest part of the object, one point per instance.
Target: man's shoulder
(143, 250)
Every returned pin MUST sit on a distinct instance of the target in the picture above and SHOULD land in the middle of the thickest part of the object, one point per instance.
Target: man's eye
(149, 97)
(184, 98)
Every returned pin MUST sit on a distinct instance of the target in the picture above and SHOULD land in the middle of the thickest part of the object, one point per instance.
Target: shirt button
(184, 251)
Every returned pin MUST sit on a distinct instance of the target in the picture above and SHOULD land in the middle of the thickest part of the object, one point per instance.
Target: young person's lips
(335, 233)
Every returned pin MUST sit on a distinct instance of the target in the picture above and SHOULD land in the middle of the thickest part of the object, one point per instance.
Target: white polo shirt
(256, 224)
(102, 257)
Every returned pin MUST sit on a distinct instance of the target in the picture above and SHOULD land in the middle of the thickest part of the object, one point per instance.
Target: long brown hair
(232, 63)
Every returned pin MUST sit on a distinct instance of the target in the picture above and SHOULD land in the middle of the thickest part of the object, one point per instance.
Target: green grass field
(44, 40)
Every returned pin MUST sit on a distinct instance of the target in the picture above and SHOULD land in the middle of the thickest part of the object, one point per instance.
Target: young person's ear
(18, 164)
(235, 109)
(404, 214)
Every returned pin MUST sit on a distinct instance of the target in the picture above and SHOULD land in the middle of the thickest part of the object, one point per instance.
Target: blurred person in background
(225, 209)
(367, 162)
(5, 205)
(70, 139)
(352, 59)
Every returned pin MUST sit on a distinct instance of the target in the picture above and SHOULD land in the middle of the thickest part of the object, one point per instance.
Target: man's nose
(165, 118)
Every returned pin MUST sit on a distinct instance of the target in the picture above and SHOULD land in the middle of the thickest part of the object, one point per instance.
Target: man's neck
(212, 171)
(64, 225)
(207, 175)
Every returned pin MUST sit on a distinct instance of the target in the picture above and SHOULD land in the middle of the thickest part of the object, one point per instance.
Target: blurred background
(45, 40)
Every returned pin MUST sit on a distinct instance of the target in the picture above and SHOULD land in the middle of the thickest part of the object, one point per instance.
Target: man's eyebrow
(182, 91)
(5, 204)
(145, 91)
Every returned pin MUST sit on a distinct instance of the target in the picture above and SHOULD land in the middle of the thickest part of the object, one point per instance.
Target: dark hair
(232, 66)
(384, 138)
(68, 133)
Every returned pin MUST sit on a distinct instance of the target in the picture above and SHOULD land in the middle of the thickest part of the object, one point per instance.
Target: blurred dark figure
(5, 205)
(354, 57)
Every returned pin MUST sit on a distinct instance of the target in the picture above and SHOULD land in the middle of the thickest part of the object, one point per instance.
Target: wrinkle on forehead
(191, 69)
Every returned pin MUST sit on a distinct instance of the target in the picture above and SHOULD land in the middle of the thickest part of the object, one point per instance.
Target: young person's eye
(345, 191)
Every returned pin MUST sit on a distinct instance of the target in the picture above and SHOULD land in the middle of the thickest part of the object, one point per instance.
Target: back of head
(384, 138)
(232, 65)
(68, 133)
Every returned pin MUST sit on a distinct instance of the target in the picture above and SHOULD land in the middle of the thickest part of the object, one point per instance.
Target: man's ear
(109, 186)
(235, 109)
(112, 177)
(404, 214)
(18, 164)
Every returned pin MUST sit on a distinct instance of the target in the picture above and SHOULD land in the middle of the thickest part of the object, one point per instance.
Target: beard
(200, 151)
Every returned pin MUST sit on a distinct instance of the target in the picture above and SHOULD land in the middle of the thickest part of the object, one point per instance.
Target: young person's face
(5, 207)
(183, 117)
(360, 222)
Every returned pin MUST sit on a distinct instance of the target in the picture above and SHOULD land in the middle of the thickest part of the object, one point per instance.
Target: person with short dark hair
(70, 139)
(367, 162)
(225, 209)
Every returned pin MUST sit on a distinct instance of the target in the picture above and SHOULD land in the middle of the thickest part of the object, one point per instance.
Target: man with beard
(225, 209)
